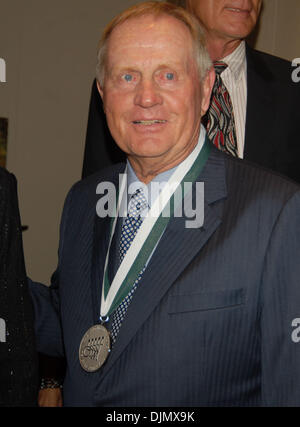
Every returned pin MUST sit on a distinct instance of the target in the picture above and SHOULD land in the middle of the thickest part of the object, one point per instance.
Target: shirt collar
(236, 60)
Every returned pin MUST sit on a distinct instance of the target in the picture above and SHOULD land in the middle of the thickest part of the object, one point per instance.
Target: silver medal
(94, 348)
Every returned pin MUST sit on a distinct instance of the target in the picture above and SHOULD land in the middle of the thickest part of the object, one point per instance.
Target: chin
(148, 154)
(239, 31)
(152, 148)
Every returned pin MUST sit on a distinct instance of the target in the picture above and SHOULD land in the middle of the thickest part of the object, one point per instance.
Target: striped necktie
(220, 118)
(130, 228)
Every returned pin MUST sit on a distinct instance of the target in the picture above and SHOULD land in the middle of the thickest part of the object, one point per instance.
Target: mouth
(149, 122)
(237, 10)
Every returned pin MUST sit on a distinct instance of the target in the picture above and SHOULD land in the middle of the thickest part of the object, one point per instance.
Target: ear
(100, 89)
(101, 92)
(207, 86)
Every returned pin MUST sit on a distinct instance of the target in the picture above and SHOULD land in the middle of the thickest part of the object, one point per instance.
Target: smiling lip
(148, 122)
(237, 10)
(147, 127)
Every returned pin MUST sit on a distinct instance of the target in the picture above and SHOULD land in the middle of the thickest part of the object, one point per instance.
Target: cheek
(192, 101)
(115, 100)
(115, 107)
(254, 16)
(257, 5)
(114, 122)
(256, 11)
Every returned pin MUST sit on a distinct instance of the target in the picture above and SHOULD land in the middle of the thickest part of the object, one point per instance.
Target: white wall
(279, 32)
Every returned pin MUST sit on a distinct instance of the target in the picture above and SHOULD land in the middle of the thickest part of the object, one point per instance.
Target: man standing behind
(259, 121)
(264, 100)
(147, 309)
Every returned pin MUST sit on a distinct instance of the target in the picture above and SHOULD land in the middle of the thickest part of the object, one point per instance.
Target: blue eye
(128, 77)
(170, 76)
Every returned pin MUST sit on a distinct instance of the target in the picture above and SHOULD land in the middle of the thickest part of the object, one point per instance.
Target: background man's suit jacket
(18, 359)
(272, 124)
(211, 320)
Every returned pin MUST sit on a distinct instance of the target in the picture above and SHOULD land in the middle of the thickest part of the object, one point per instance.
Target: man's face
(228, 19)
(152, 96)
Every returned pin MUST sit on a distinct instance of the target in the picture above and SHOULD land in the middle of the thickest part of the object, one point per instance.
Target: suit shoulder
(88, 185)
(272, 59)
(255, 179)
(271, 67)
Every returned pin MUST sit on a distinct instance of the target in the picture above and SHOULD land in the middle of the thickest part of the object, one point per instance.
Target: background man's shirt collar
(236, 60)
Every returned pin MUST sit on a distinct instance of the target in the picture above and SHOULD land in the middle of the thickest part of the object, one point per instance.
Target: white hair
(156, 8)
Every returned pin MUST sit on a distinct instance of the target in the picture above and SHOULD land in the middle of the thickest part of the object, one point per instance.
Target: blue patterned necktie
(220, 117)
(130, 227)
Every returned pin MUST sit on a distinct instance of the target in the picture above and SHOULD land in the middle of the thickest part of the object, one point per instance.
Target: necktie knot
(137, 204)
(220, 67)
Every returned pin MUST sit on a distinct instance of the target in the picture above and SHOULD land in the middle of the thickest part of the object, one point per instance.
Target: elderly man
(259, 121)
(150, 306)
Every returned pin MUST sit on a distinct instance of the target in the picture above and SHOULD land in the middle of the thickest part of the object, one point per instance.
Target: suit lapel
(175, 251)
(100, 247)
(260, 114)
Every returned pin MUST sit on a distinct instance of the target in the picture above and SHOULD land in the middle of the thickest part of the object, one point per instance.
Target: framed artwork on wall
(3, 141)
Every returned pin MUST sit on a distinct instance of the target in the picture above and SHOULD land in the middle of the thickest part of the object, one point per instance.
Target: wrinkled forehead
(150, 32)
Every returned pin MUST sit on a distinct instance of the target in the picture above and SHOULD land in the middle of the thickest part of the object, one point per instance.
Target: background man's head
(228, 19)
(155, 79)
(226, 22)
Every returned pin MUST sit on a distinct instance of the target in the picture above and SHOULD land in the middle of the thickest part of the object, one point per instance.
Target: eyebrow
(132, 68)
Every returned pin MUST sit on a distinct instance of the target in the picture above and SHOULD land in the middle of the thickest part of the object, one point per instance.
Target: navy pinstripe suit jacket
(213, 321)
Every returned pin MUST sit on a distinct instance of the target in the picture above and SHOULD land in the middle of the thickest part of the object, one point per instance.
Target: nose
(147, 94)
